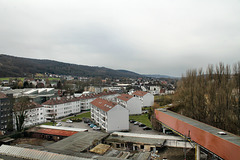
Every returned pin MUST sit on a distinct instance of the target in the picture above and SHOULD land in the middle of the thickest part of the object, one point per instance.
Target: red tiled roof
(125, 97)
(63, 100)
(103, 104)
(89, 96)
(56, 132)
(2, 95)
(140, 93)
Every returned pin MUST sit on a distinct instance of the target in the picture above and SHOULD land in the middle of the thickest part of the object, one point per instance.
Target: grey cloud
(157, 37)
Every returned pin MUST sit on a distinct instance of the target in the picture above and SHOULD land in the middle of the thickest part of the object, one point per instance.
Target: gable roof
(94, 95)
(59, 100)
(2, 95)
(103, 104)
(140, 93)
(125, 97)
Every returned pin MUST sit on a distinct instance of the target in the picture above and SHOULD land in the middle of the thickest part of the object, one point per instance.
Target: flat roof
(63, 128)
(141, 140)
(78, 142)
(150, 136)
(213, 130)
(100, 148)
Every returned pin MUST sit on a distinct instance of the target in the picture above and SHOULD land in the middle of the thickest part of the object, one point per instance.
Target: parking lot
(133, 128)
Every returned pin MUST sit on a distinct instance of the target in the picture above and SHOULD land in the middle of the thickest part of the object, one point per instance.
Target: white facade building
(61, 107)
(109, 115)
(86, 99)
(133, 104)
(34, 116)
(155, 90)
(146, 98)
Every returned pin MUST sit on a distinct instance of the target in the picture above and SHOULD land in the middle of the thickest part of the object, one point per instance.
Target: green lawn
(81, 115)
(53, 79)
(7, 78)
(142, 118)
(48, 123)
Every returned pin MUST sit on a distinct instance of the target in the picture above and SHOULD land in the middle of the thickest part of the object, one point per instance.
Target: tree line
(212, 97)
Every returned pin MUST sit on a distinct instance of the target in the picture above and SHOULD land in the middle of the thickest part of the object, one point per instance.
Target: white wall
(117, 119)
(148, 100)
(34, 116)
(134, 105)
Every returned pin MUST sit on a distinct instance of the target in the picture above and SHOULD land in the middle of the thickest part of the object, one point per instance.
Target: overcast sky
(145, 36)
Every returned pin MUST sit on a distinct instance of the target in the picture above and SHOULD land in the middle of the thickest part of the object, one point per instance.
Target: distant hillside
(11, 66)
(160, 76)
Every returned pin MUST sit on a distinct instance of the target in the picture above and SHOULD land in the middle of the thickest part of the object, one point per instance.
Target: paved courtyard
(133, 128)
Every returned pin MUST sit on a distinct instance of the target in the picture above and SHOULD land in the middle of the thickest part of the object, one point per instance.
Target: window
(118, 145)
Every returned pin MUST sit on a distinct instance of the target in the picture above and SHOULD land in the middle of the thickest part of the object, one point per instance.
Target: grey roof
(229, 137)
(78, 142)
(141, 156)
(26, 153)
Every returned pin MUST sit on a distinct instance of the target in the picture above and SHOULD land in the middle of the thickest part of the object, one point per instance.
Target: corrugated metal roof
(78, 142)
(34, 154)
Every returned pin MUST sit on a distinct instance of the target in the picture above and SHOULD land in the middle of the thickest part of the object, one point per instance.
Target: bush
(76, 119)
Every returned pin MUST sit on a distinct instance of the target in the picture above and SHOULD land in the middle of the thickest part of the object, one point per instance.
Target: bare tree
(20, 111)
(213, 98)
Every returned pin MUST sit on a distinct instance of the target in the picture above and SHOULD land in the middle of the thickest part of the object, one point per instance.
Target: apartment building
(61, 107)
(34, 115)
(5, 112)
(146, 98)
(131, 103)
(110, 116)
(86, 99)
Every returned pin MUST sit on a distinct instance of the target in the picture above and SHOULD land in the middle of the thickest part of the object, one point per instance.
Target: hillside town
(110, 104)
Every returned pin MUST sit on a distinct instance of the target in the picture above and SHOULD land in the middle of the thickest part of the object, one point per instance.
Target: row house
(5, 112)
(61, 107)
(110, 116)
(133, 104)
(146, 98)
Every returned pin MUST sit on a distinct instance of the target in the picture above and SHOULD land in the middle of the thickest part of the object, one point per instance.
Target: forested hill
(11, 66)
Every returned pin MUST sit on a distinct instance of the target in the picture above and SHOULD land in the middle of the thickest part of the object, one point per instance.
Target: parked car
(89, 123)
(144, 111)
(92, 125)
(222, 133)
(131, 121)
(86, 120)
(169, 132)
(69, 121)
(147, 128)
(96, 128)
(136, 123)
(59, 124)
(141, 125)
